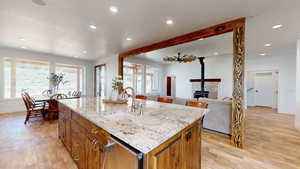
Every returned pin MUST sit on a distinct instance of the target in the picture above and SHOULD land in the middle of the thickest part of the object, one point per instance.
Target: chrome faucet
(133, 106)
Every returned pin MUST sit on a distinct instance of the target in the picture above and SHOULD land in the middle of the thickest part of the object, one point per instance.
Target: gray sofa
(218, 118)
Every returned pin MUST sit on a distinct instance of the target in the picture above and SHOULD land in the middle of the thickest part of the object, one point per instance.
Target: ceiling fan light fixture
(181, 59)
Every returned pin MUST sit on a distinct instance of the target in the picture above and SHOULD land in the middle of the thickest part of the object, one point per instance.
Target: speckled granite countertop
(159, 123)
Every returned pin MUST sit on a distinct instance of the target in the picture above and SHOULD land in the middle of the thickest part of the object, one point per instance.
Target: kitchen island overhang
(166, 134)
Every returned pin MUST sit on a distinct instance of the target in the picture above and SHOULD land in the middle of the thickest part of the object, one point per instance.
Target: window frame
(13, 73)
(80, 74)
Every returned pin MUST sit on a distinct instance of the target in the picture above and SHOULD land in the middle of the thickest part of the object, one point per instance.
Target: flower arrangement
(56, 80)
(117, 83)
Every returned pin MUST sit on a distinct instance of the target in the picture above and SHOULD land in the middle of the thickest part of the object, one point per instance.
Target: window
(72, 76)
(23, 75)
(144, 79)
(149, 79)
(133, 76)
(100, 80)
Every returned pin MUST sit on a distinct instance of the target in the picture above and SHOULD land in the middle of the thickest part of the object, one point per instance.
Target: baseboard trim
(218, 132)
(10, 113)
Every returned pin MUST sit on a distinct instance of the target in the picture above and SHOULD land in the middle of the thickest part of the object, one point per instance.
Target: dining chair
(141, 97)
(164, 100)
(32, 109)
(196, 104)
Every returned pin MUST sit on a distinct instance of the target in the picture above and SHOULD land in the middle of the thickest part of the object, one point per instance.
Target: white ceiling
(61, 27)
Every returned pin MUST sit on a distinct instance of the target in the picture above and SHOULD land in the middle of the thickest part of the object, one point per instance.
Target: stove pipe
(201, 59)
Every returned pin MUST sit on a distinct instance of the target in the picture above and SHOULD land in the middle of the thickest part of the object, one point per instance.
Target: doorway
(263, 89)
(99, 86)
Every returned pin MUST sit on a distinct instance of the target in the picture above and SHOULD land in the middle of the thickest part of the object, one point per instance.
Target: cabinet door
(68, 138)
(192, 148)
(169, 157)
(93, 153)
(78, 145)
(61, 129)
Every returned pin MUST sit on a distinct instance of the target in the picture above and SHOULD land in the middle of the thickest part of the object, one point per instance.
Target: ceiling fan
(39, 2)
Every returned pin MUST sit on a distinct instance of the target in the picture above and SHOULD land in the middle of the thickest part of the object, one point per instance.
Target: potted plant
(117, 86)
(55, 81)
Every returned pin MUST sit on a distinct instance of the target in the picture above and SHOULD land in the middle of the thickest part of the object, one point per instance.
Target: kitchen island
(109, 136)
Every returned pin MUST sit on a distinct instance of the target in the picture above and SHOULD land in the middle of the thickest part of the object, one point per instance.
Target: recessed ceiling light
(24, 47)
(276, 26)
(216, 53)
(201, 39)
(262, 54)
(39, 2)
(22, 39)
(268, 45)
(169, 22)
(129, 39)
(93, 27)
(114, 9)
(84, 51)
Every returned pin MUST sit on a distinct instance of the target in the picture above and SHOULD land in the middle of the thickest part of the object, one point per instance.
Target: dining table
(51, 105)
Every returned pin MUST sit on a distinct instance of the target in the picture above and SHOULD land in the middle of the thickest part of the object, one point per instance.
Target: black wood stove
(202, 93)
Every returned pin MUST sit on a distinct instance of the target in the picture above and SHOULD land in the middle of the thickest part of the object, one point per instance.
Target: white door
(264, 89)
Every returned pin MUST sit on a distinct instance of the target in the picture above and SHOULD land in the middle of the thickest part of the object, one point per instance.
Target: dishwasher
(119, 155)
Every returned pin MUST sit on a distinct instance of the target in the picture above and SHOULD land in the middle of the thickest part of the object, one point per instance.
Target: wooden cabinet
(183, 151)
(169, 157)
(93, 153)
(192, 148)
(78, 145)
(83, 139)
(64, 130)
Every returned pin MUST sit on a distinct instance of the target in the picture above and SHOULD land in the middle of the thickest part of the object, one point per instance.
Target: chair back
(30, 100)
(76, 94)
(47, 93)
(196, 104)
(164, 100)
(59, 96)
(26, 101)
(141, 97)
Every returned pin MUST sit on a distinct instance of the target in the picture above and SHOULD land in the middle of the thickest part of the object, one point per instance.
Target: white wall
(286, 66)
(297, 119)
(111, 63)
(215, 67)
(14, 105)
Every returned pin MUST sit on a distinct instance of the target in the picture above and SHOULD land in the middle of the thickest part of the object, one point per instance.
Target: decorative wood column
(238, 109)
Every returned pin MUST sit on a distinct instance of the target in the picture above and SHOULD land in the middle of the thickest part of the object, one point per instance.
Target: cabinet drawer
(91, 129)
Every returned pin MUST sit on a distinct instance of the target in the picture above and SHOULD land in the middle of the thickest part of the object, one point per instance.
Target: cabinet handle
(95, 143)
(188, 136)
(76, 158)
(94, 131)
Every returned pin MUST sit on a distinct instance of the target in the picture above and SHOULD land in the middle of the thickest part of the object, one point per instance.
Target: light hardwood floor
(271, 143)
